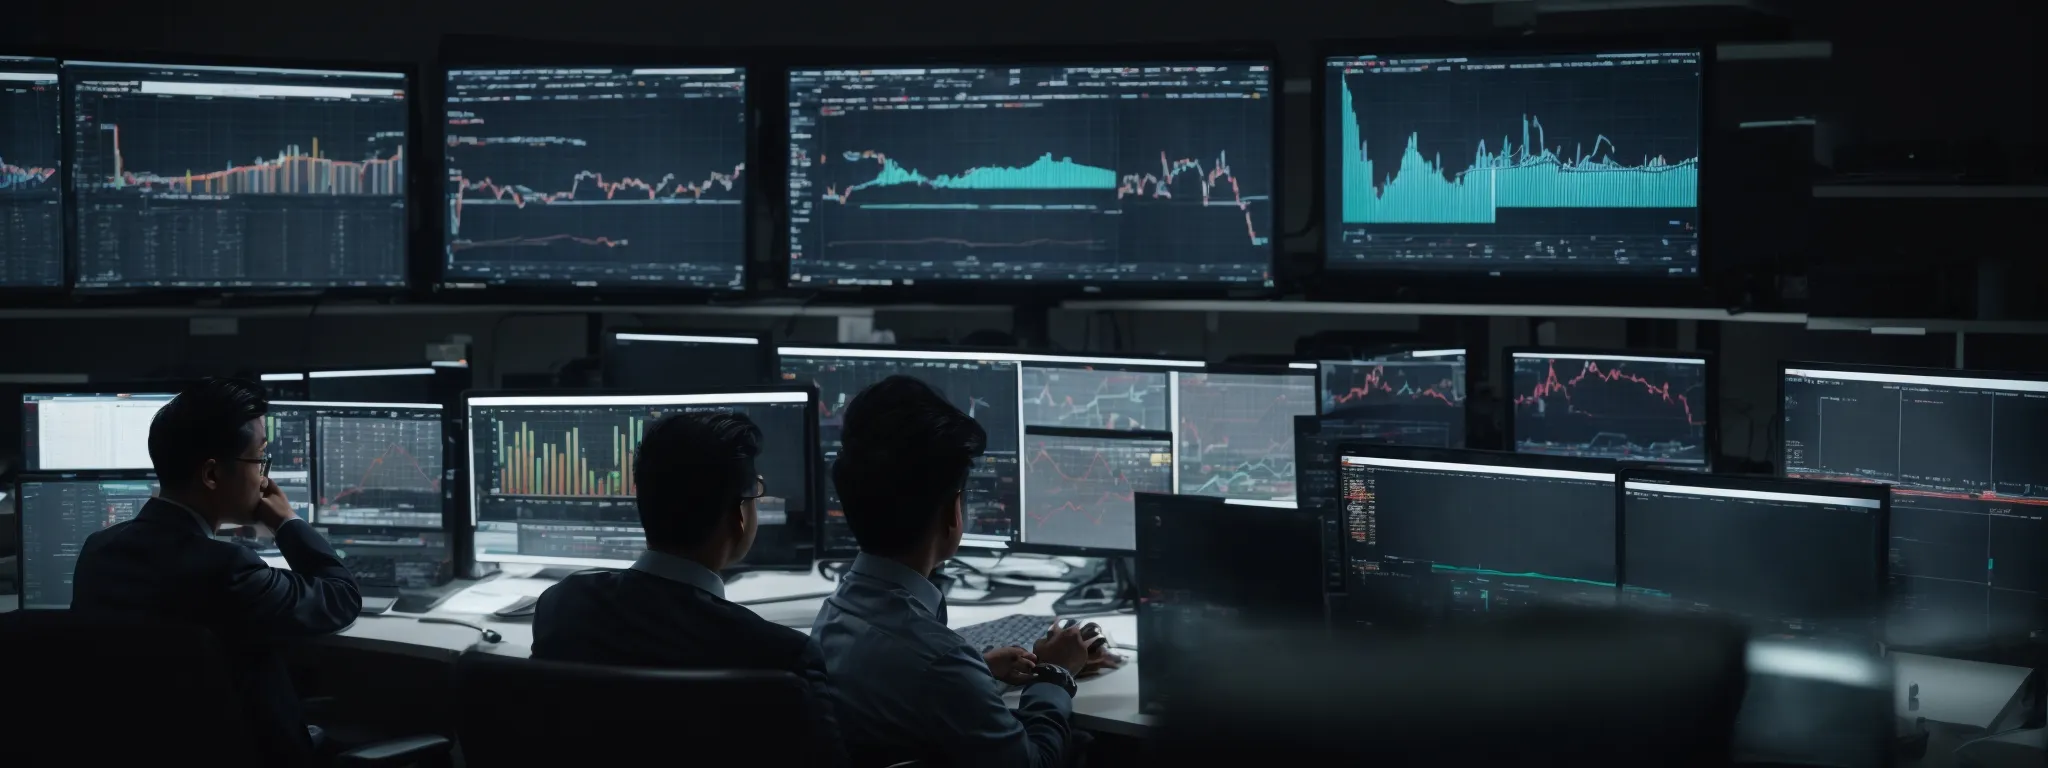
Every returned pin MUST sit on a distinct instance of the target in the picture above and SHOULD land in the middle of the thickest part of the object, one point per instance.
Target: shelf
(1464, 310)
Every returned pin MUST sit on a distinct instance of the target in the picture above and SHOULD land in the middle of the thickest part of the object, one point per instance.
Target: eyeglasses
(262, 464)
(760, 489)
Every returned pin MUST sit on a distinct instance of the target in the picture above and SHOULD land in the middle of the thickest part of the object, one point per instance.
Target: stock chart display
(1088, 398)
(1966, 456)
(31, 194)
(1144, 172)
(380, 467)
(554, 476)
(288, 444)
(984, 389)
(1579, 163)
(1399, 401)
(1430, 541)
(56, 518)
(1237, 432)
(1078, 490)
(1611, 407)
(596, 176)
(219, 177)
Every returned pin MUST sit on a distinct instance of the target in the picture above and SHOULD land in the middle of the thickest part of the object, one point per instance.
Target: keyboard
(1016, 629)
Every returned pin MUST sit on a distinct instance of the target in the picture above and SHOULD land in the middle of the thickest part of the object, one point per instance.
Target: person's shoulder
(779, 639)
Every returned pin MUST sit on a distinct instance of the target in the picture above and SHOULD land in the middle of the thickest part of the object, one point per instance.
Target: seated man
(907, 687)
(696, 489)
(207, 446)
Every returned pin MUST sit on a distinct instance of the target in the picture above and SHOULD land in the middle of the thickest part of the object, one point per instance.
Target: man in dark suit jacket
(208, 448)
(696, 488)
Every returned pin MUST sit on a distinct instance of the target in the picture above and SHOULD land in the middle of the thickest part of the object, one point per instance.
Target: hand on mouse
(1062, 646)
(1101, 653)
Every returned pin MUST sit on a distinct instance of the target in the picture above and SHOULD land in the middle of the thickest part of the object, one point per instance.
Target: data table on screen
(31, 192)
(1138, 172)
(596, 177)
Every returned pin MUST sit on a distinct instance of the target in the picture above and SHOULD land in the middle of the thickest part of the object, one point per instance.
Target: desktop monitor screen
(283, 386)
(1435, 536)
(552, 476)
(358, 464)
(1553, 164)
(1802, 558)
(1319, 485)
(1613, 405)
(238, 177)
(981, 384)
(1128, 172)
(432, 384)
(31, 194)
(1235, 432)
(651, 361)
(1966, 456)
(1408, 398)
(57, 513)
(596, 177)
(88, 430)
(1207, 567)
(1079, 486)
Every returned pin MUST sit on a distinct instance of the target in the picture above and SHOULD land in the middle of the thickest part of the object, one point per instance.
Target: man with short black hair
(696, 487)
(208, 445)
(908, 687)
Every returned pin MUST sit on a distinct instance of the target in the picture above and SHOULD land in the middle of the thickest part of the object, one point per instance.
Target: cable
(489, 635)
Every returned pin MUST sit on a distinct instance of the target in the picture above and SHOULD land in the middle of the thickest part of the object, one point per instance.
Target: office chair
(530, 712)
(100, 690)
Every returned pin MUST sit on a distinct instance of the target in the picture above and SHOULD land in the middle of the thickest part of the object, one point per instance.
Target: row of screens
(1102, 172)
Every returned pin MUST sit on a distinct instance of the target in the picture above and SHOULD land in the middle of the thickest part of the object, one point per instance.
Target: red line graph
(667, 186)
(295, 171)
(547, 240)
(1985, 496)
(1118, 487)
(380, 465)
(1552, 385)
(964, 243)
(1377, 382)
(1133, 185)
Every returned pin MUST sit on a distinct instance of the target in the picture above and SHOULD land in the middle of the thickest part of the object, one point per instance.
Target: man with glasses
(696, 488)
(207, 446)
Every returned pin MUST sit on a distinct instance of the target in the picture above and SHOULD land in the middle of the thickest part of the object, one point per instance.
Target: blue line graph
(1043, 173)
(1531, 175)
(16, 177)
(1437, 568)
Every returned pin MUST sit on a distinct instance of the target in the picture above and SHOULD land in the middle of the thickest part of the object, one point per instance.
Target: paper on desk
(492, 595)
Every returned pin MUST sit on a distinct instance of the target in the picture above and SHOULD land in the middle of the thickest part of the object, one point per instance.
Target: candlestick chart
(615, 178)
(31, 200)
(1645, 410)
(1236, 433)
(1568, 162)
(1078, 490)
(1400, 402)
(1030, 174)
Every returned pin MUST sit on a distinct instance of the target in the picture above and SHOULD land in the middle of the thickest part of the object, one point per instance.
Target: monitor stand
(965, 574)
(1112, 589)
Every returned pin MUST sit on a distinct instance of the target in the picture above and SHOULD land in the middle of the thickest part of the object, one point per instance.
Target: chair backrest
(109, 690)
(516, 711)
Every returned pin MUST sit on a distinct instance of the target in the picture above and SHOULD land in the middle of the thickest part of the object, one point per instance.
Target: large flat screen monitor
(224, 177)
(552, 476)
(359, 464)
(1234, 431)
(1555, 164)
(1080, 173)
(1966, 456)
(1436, 536)
(652, 360)
(57, 513)
(1790, 558)
(438, 383)
(85, 430)
(31, 193)
(1414, 397)
(1646, 407)
(596, 177)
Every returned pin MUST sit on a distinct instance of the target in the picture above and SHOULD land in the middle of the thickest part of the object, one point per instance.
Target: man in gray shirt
(906, 686)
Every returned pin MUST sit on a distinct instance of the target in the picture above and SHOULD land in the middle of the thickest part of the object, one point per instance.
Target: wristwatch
(1055, 674)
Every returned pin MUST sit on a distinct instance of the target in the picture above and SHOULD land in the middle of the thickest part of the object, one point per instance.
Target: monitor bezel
(1017, 543)
(1476, 287)
(1039, 291)
(38, 295)
(474, 51)
(812, 484)
(764, 340)
(1880, 548)
(19, 506)
(242, 295)
(1711, 430)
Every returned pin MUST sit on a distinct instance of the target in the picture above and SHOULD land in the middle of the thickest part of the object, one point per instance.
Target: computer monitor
(1966, 456)
(90, 427)
(649, 360)
(1436, 536)
(31, 194)
(1798, 558)
(596, 176)
(439, 382)
(1414, 397)
(1073, 173)
(1319, 487)
(982, 384)
(1079, 486)
(359, 464)
(1208, 567)
(226, 177)
(1234, 431)
(1580, 163)
(286, 385)
(57, 512)
(1113, 394)
(1645, 407)
(552, 476)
